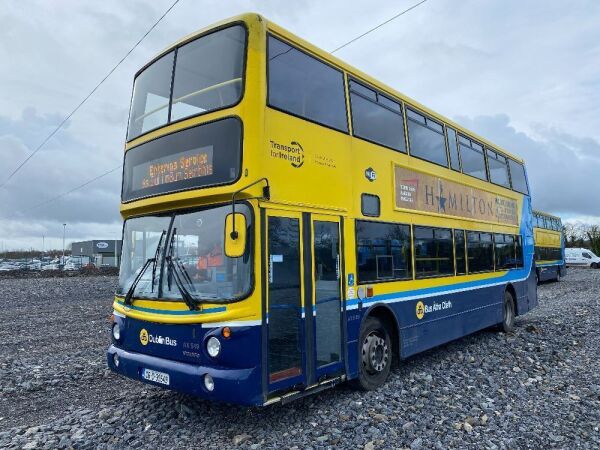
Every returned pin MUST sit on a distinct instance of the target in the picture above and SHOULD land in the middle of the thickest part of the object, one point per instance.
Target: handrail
(191, 94)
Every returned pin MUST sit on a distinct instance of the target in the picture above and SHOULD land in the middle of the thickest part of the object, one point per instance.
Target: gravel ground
(538, 387)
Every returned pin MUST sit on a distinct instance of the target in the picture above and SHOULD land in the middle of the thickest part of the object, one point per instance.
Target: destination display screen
(182, 166)
(206, 155)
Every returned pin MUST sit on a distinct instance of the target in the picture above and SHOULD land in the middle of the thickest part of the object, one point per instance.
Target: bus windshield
(201, 76)
(195, 246)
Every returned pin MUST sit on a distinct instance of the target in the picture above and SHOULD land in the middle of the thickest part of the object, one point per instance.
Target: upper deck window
(208, 73)
(306, 87)
(201, 76)
(472, 158)
(426, 138)
(151, 91)
(498, 168)
(517, 175)
(376, 118)
(453, 149)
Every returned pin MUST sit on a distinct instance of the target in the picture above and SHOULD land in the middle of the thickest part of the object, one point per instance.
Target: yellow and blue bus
(291, 223)
(549, 246)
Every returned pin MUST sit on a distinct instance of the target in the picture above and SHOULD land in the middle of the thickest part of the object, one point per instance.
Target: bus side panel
(447, 317)
(354, 319)
(527, 291)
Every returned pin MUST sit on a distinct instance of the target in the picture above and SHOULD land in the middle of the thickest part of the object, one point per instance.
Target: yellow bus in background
(292, 223)
(549, 246)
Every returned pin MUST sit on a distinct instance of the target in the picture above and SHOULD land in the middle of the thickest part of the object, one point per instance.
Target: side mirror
(235, 238)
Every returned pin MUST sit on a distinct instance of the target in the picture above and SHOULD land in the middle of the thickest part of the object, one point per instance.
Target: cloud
(523, 76)
(64, 163)
(560, 166)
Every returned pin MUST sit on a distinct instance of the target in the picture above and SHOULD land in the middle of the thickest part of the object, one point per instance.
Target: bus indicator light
(226, 332)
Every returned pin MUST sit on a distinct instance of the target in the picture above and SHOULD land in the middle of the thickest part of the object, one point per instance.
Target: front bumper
(240, 386)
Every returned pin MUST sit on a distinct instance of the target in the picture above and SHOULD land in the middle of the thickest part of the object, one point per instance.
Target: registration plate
(155, 376)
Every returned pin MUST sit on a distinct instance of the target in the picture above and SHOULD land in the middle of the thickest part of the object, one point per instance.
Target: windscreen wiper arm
(189, 300)
(156, 254)
(173, 273)
(131, 290)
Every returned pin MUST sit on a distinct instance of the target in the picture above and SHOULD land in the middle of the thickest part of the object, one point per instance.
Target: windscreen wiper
(156, 254)
(176, 271)
(153, 261)
(138, 277)
(189, 300)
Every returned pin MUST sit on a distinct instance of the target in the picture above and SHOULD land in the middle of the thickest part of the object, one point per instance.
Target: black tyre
(537, 277)
(557, 275)
(594, 266)
(508, 313)
(374, 355)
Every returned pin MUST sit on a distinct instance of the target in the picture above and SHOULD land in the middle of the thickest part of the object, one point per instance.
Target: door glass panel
(285, 349)
(327, 292)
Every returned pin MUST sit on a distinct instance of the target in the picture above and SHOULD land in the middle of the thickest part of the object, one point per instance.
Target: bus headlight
(209, 383)
(213, 347)
(116, 331)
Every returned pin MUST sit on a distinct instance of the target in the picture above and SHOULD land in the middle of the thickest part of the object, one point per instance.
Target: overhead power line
(378, 26)
(70, 191)
(81, 186)
(62, 123)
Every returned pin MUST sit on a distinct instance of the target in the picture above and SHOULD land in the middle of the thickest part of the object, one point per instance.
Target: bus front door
(327, 349)
(303, 304)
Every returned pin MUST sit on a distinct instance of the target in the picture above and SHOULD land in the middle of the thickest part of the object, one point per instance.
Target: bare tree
(592, 232)
(574, 234)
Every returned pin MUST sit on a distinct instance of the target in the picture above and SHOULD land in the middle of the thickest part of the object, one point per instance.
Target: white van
(581, 257)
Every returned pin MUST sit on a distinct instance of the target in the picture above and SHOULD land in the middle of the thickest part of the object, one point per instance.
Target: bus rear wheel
(375, 355)
(508, 313)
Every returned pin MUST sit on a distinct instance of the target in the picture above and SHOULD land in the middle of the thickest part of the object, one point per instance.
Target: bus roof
(326, 56)
(542, 213)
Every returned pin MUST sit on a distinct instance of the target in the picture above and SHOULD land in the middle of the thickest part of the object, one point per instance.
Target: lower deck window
(518, 252)
(504, 249)
(433, 252)
(382, 251)
(480, 248)
(547, 254)
(460, 252)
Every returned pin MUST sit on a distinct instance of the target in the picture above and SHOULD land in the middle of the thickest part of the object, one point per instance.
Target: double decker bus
(292, 223)
(549, 246)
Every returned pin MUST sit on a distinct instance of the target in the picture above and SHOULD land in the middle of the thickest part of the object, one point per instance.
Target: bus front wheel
(508, 313)
(375, 355)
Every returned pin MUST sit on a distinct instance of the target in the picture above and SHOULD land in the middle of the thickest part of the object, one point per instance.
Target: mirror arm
(266, 195)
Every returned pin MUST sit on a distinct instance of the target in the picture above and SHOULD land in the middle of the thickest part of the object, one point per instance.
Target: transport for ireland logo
(144, 337)
(294, 153)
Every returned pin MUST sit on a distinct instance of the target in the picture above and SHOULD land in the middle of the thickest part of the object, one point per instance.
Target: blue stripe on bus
(446, 289)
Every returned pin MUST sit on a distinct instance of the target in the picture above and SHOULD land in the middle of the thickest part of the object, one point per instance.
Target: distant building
(100, 252)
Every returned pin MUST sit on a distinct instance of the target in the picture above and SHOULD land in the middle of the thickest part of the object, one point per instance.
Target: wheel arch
(384, 313)
(511, 288)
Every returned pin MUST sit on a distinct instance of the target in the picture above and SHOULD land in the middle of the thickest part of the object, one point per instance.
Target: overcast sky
(526, 75)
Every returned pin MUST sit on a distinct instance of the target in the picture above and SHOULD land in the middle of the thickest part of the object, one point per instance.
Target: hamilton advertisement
(423, 192)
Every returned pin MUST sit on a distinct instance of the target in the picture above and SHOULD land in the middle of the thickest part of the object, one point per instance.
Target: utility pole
(64, 231)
